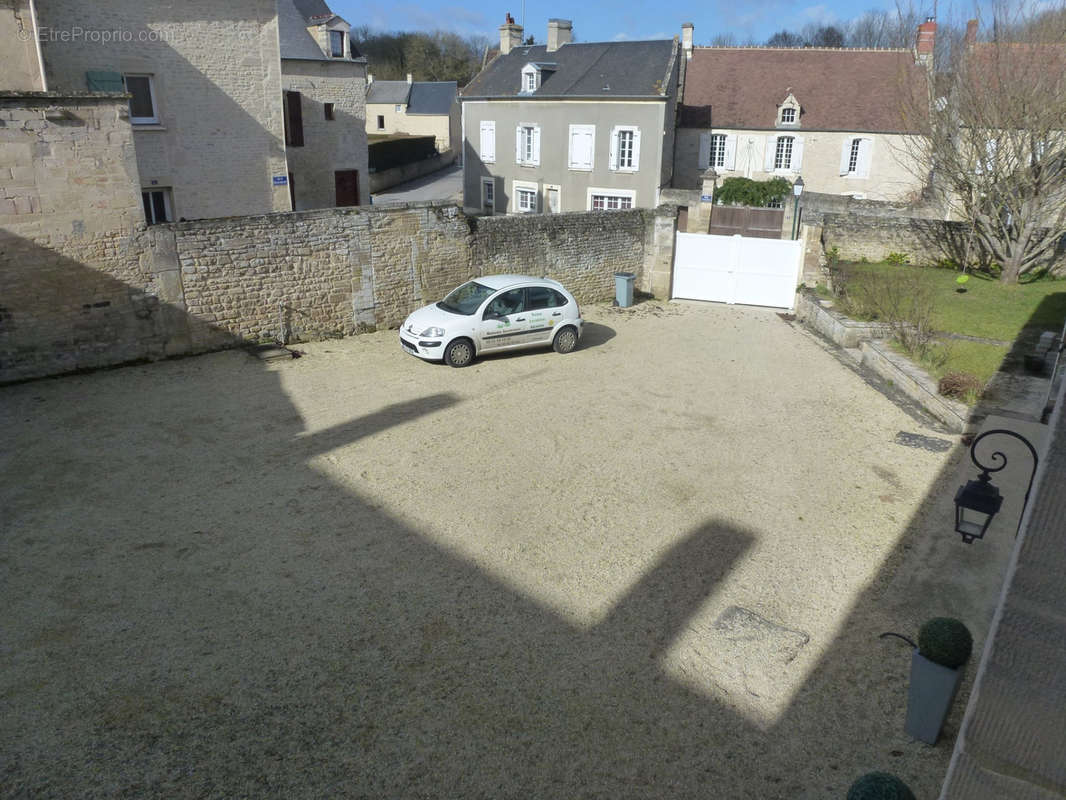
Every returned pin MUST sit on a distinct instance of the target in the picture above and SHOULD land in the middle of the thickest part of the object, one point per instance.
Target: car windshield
(467, 299)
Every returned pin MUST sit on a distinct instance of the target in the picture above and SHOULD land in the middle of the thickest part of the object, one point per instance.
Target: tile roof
(432, 98)
(600, 69)
(838, 89)
(388, 92)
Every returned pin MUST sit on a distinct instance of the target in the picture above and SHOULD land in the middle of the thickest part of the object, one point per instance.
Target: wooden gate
(760, 223)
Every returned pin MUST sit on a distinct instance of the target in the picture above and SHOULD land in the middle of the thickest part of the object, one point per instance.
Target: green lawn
(987, 308)
(954, 355)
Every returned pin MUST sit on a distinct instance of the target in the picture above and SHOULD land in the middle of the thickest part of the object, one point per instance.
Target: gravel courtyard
(655, 567)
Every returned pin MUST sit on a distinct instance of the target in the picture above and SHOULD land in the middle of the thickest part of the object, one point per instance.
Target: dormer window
(788, 116)
(534, 74)
(531, 81)
(336, 44)
(788, 113)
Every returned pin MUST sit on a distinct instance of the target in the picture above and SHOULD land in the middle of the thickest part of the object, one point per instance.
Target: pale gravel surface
(357, 574)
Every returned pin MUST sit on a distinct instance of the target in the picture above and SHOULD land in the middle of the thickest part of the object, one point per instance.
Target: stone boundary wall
(181, 288)
(408, 172)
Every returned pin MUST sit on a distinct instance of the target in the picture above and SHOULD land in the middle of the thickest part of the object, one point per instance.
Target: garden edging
(879, 358)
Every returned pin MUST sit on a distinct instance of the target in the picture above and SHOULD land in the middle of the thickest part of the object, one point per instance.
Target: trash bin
(623, 289)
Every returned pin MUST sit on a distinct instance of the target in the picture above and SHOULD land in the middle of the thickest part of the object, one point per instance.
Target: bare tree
(995, 141)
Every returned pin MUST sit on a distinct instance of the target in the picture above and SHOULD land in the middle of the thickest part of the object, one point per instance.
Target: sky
(599, 20)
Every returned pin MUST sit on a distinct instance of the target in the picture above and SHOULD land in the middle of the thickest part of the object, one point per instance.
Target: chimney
(510, 36)
(686, 39)
(923, 44)
(409, 77)
(971, 33)
(559, 33)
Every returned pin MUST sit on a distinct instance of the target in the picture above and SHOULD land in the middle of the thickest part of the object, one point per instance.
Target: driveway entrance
(737, 269)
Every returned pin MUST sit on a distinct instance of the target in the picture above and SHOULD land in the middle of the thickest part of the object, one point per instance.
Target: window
(156, 206)
(582, 146)
(625, 149)
(783, 154)
(717, 155)
(294, 123)
(539, 297)
(526, 199)
(855, 157)
(512, 302)
(488, 142)
(142, 100)
(488, 195)
(336, 44)
(381, 122)
(788, 115)
(608, 200)
(527, 145)
(531, 81)
(398, 108)
(328, 107)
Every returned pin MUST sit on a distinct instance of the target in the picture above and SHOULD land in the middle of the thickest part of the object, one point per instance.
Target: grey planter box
(929, 698)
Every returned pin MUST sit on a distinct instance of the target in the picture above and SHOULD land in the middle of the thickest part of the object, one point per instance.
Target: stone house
(835, 116)
(323, 82)
(416, 108)
(569, 126)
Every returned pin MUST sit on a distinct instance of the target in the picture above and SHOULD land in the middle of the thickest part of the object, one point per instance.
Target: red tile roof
(838, 89)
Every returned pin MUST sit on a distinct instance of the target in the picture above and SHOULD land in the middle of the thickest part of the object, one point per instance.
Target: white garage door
(737, 269)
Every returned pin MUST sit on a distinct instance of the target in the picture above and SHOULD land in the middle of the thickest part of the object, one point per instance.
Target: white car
(491, 315)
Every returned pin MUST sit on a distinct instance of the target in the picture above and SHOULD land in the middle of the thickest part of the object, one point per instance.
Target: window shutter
(731, 151)
(797, 154)
(845, 156)
(705, 150)
(636, 149)
(100, 81)
(771, 150)
(488, 141)
(866, 147)
(581, 142)
(536, 146)
(518, 144)
(296, 119)
(614, 149)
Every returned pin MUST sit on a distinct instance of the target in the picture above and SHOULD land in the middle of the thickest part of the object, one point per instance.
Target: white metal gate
(737, 269)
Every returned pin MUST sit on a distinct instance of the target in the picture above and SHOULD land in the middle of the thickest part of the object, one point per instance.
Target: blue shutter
(99, 81)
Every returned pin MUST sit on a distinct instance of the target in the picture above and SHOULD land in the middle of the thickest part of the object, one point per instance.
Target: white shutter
(845, 157)
(866, 147)
(488, 142)
(581, 146)
(797, 154)
(705, 150)
(536, 146)
(518, 145)
(768, 156)
(613, 156)
(731, 151)
(636, 149)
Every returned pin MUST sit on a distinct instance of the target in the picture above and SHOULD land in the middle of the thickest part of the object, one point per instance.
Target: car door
(543, 313)
(504, 321)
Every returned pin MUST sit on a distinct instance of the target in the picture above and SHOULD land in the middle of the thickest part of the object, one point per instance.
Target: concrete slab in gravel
(357, 574)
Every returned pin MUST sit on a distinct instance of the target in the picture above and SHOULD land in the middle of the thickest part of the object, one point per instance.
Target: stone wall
(196, 286)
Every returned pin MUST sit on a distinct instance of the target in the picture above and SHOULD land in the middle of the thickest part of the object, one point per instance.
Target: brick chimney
(560, 32)
(686, 39)
(510, 35)
(925, 42)
(971, 33)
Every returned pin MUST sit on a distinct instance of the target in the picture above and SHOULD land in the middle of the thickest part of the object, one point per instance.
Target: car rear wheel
(565, 340)
(459, 353)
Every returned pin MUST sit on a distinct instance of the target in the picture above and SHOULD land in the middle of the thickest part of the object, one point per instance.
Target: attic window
(336, 44)
(531, 81)
(788, 115)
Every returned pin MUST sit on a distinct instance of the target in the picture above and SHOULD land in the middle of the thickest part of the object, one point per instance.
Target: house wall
(554, 118)
(329, 145)
(217, 77)
(19, 69)
(893, 174)
(195, 286)
(439, 126)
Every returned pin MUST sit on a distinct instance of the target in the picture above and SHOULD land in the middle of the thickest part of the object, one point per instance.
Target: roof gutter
(584, 97)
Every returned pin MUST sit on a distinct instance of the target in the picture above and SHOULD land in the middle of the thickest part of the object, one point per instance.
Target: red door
(346, 182)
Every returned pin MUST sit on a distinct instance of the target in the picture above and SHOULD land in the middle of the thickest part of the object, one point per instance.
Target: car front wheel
(459, 353)
(565, 340)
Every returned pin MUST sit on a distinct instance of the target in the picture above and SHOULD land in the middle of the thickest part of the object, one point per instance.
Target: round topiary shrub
(945, 641)
(879, 786)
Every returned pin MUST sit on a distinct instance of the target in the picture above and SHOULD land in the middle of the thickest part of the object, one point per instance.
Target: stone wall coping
(309, 214)
(11, 94)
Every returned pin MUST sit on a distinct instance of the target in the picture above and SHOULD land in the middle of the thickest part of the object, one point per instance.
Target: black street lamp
(797, 190)
(979, 501)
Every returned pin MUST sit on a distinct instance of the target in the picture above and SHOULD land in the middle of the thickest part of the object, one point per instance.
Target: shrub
(960, 385)
(832, 256)
(879, 786)
(945, 641)
(898, 259)
(907, 303)
(746, 192)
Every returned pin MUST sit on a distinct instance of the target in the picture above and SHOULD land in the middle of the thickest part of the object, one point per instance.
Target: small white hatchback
(494, 314)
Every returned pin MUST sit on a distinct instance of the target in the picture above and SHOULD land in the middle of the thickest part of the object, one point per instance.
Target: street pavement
(445, 184)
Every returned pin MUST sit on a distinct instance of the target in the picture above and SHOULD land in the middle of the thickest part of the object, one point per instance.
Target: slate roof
(584, 69)
(293, 38)
(388, 92)
(838, 89)
(432, 98)
(313, 9)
